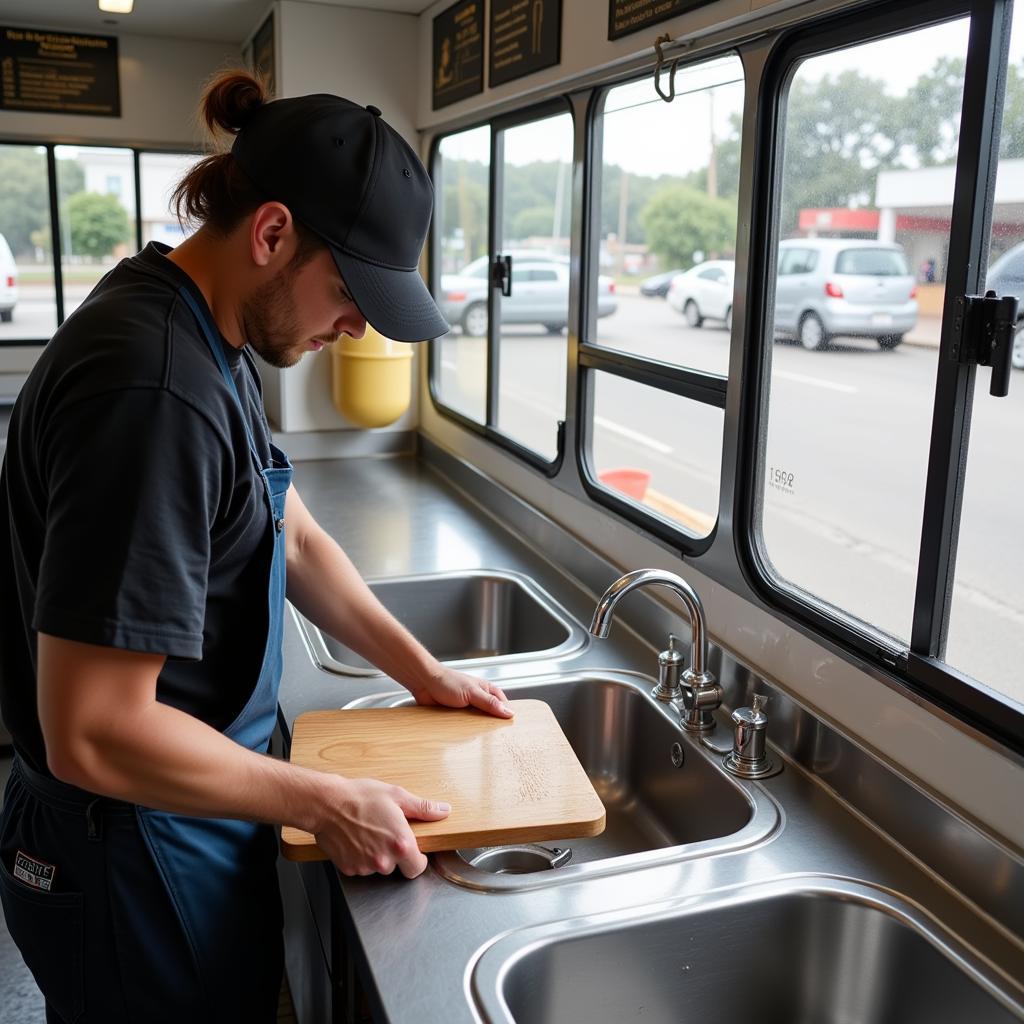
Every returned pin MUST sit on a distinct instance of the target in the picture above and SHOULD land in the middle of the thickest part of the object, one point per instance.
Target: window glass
(669, 181)
(28, 301)
(986, 629)
(867, 173)
(657, 450)
(462, 191)
(872, 262)
(159, 174)
(96, 202)
(535, 216)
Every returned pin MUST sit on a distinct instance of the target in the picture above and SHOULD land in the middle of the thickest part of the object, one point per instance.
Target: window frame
(917, 665)
(488, 429)
(696, 385)
(50, 148)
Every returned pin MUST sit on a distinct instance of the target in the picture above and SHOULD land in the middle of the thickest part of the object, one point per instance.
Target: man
(148, 525)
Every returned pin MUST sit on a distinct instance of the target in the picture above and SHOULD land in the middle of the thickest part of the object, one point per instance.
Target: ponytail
(215, 193)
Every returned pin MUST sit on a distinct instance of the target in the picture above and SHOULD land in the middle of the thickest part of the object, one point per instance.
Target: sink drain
(678, 757)
(516, 860)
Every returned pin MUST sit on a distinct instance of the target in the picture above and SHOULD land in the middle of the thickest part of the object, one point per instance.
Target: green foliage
(98, 223)
(534, 220)
(25, 197)
(681, 221)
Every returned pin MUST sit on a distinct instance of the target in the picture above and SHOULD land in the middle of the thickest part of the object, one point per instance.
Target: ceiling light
(116, 6)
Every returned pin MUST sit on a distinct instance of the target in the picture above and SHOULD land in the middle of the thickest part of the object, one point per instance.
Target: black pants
(104, 941)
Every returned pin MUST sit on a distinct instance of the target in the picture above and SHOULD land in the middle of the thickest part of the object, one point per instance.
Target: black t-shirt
(131, 512)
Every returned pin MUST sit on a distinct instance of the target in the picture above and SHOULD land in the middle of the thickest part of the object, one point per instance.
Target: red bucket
(631, 482)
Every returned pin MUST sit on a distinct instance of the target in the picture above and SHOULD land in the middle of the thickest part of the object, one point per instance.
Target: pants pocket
(47, 929)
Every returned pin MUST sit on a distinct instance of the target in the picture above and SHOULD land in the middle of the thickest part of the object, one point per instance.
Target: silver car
(835, 286)
(540, 293)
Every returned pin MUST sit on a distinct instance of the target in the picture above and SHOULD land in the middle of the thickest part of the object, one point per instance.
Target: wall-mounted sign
(526, 35)
(263, 53)
(625, 16)
(59, 72)
(458, 52)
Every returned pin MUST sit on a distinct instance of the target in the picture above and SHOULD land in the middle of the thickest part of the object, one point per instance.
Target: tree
(98, 223)
(680, 221)
(25, 198)
(463, 205)
(929, 115)
(533, 220)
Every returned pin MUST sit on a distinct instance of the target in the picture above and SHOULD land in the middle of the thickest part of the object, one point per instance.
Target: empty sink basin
(464, 618)
(820, 952)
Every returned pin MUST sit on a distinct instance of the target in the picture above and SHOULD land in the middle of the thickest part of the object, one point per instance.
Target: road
(847, 430)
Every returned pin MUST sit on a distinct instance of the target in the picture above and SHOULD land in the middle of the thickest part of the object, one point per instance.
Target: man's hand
(366, 830)
(460, 690)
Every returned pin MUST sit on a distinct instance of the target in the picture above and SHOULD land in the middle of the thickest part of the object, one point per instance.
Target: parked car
(1006, 277)
(658, 284)
(837, 286)
(8, 282)
(540, 293)
(704, 292)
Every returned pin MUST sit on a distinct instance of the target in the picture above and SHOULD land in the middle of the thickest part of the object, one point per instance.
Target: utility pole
(623, 217)
(713, 158)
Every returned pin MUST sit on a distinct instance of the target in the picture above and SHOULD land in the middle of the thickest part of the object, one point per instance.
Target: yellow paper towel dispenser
(371, 378)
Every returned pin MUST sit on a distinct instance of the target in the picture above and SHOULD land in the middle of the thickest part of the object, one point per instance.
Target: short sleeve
(133, 482)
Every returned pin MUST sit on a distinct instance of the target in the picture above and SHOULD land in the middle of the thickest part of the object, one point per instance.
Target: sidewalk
(926, 333)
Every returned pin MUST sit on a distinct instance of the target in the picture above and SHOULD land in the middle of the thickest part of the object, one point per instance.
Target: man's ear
(270, 230)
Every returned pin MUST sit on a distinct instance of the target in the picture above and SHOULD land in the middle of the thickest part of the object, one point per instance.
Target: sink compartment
(464, 619)
(839, 953)
(656, 812)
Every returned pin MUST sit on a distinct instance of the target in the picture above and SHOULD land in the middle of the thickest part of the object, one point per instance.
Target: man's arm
(326, 587)
(106, 732)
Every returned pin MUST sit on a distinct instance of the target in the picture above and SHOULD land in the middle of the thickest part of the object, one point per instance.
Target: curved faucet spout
(602, 621)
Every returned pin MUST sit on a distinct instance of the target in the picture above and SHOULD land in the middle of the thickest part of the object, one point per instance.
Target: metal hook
(666, 38)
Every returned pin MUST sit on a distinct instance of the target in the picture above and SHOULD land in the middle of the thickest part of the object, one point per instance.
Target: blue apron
(175, 915)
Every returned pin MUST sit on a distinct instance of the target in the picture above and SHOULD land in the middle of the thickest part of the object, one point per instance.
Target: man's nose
(351, 323)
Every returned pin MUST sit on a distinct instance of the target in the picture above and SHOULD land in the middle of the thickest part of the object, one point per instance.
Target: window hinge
(501, 274)
(983, 332)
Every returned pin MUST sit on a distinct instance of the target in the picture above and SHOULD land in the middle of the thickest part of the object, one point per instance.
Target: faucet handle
(749, 758)
(670, 664)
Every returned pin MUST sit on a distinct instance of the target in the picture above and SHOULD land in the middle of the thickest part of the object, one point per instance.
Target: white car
(540, 293)
(8, 282)
(704, 292)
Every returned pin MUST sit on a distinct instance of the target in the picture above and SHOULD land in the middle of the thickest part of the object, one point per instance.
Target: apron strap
(215, 346)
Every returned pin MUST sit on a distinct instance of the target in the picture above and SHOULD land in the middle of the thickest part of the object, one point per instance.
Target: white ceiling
(229, 21)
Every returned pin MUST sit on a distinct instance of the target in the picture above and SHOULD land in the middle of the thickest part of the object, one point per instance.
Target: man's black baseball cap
(347, 175)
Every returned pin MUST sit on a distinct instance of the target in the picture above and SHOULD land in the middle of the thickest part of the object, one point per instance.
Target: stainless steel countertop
(421, 938)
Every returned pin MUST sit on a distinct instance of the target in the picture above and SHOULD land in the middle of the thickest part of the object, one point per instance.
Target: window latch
(983, 335)
(501, 274)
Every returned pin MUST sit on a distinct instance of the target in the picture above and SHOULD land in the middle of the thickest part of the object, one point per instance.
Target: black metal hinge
(501, 274)
(983, 335)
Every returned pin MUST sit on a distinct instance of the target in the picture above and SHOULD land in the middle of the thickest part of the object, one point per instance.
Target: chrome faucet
(701, 692)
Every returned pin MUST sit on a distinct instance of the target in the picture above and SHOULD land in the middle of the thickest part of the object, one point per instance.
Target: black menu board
(458, 52)
(59, 72)
(526, 35)
(625, 16)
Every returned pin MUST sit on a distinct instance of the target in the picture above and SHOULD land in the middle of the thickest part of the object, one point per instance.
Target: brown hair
(215, 193)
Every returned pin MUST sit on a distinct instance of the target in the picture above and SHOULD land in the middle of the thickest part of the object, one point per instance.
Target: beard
(270, 320)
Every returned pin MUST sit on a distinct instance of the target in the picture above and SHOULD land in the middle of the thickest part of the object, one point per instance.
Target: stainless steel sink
(658, 810)
(463, 618)
(799, 951)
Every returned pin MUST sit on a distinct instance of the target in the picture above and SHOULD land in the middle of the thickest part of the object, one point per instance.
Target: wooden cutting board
(508, 780)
